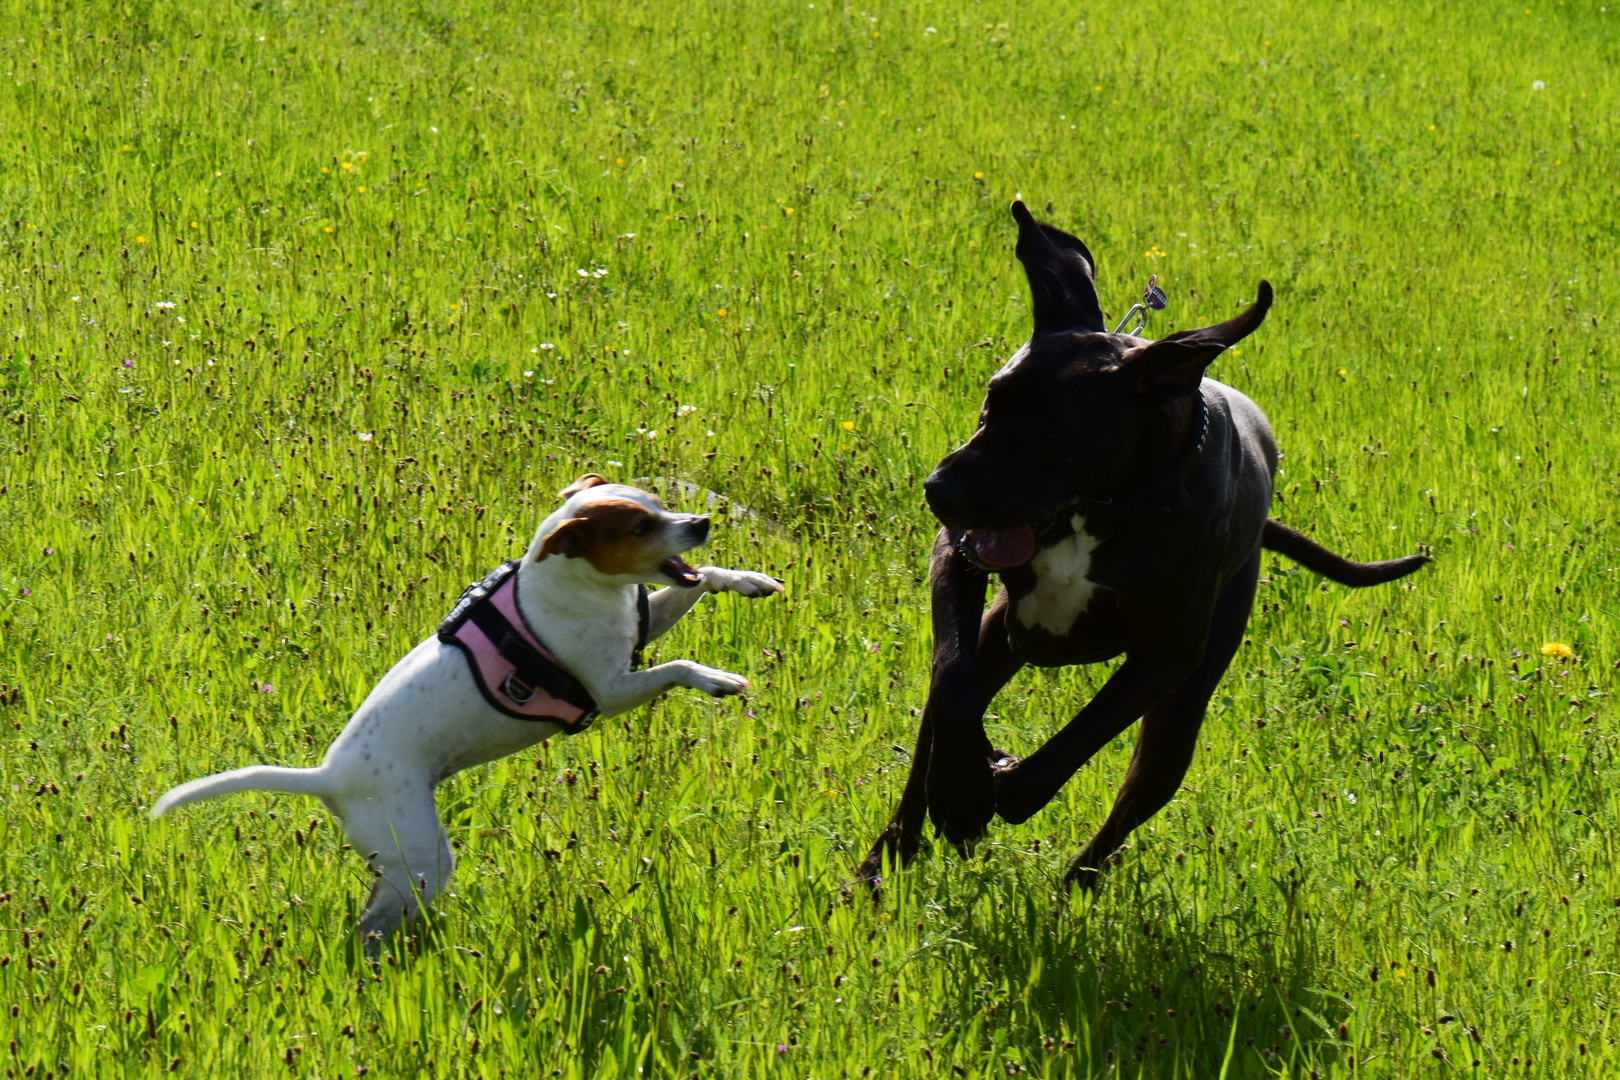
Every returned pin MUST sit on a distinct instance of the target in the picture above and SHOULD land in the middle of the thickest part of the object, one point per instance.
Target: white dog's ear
(570, 539)
(589, 480)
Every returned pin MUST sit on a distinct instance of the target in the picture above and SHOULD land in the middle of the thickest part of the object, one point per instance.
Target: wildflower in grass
(365, 436)
(1153, 253)
(326, 228)
(684, 409)
(849, 425)
(528, 374)
(50, 551)
(324, 169)
(346, 166)
(721, 313)
(786, 211)
(129, 363)
(140, 239)
(1558, 649)
(27, 591)
(547, 345)
(193, 224)
(361, 189)
(978, 176)
(1538, 85)
(1344, 375)
(267, 689)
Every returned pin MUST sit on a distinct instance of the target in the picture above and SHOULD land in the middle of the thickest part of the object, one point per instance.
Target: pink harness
(514, 671)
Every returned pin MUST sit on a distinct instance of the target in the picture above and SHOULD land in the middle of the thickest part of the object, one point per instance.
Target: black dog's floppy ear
(1174, 366)
(1061, 272)
(589, 480)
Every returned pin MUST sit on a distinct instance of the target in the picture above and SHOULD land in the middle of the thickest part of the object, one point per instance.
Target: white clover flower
(547, 345)
(365, 436)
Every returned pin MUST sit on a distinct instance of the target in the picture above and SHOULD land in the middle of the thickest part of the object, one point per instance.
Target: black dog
(1122, 497)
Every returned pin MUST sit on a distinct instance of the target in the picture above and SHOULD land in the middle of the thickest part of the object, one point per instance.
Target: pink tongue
(1003, 547)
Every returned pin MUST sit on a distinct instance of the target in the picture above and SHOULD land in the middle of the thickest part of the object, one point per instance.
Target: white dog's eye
(645, 528)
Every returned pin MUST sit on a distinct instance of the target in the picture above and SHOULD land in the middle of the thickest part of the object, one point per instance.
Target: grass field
(311, 309)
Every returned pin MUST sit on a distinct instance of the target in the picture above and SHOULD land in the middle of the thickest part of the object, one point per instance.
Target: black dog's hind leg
(1169, 735)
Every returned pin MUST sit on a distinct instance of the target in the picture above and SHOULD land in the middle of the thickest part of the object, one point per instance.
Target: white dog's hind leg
(412, 860)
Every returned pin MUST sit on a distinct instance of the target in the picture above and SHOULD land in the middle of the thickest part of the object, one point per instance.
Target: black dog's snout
(698, 528)
(946, 497)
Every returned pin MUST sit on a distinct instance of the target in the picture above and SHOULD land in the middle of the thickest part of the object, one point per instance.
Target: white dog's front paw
(714, 682)
(741, 582)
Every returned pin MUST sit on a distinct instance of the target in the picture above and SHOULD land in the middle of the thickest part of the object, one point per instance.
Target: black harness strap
(532, 668)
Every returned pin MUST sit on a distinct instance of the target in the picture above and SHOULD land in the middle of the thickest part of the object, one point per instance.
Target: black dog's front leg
(992, 664)
(1023, 787)
(960, 786)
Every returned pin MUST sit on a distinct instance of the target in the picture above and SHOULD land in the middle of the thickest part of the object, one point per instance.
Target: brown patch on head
(617, 536)
(589, 480)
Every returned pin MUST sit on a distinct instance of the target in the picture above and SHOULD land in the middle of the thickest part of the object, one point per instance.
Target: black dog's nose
(946, 497)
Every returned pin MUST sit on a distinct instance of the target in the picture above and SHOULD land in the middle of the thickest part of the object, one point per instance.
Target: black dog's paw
(961, 796)
(1017, 795)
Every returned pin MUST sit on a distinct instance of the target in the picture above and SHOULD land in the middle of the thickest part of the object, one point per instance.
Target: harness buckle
(516, 689)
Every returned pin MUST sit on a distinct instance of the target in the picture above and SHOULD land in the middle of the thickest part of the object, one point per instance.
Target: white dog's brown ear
(589, 480)
(570, 539)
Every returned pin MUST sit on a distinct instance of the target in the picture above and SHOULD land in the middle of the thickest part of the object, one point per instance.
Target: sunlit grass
(311, 309)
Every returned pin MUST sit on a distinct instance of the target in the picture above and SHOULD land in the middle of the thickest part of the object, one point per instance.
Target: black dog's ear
(1174, 366)
(1061, 272)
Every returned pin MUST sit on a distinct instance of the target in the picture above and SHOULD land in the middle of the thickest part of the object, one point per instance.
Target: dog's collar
(1173, 476)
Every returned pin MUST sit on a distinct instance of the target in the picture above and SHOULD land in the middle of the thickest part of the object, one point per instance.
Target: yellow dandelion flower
(1558, 649)
(618, 161)
(326, 228)
(140, 239)
(1343, 374)
(455, 307)
(361, 189)
(978, 176)
(346, 166)
(193, 224)
(849, 425)
(124, 148)
(324, 169)
(1400, 973)
(1095, 89)
(722, 313)
(786, 210)
(218, 173)
(1431, 127)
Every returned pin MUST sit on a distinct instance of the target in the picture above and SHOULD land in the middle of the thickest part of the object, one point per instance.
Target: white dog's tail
(254, 777)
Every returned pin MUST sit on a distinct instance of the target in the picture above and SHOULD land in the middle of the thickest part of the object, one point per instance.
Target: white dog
(484, 687)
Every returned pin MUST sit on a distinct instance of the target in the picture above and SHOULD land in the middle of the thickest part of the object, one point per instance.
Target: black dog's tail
(1313, 556)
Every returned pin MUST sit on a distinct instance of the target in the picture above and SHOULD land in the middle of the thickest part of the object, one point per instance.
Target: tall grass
(310, 309)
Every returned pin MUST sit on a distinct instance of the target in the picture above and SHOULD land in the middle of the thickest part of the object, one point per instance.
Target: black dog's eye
(645, 528)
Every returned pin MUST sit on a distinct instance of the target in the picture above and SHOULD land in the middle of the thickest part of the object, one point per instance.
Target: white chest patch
(1062, 589)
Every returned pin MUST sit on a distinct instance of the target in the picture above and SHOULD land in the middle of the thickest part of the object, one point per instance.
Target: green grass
(373, 218)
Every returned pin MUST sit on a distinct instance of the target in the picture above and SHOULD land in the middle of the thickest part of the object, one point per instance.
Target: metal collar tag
(1153, 299)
